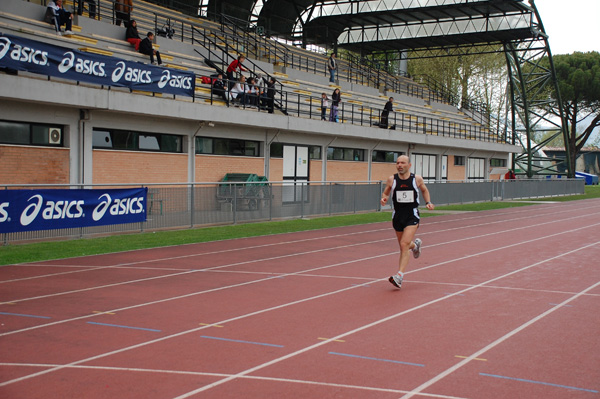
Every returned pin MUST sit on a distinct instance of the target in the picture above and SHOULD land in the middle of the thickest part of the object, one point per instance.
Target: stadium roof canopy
(384, 25)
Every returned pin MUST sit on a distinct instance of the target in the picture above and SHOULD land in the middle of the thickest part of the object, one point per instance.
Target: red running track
(501, 304)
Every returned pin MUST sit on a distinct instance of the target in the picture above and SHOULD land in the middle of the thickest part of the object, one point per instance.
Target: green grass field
(32, 252)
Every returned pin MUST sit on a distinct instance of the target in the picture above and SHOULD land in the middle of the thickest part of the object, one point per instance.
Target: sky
(571, 24)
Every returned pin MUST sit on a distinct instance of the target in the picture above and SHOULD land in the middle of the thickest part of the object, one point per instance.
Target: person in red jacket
(235, 64)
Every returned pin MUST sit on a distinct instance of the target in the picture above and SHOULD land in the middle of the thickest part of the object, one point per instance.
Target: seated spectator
(123, 10)
(146, 48)
(261, 83)
(55, 13)
(218, 89)
(132, 35)
(92, 7)
(239, 91)
(253, 92)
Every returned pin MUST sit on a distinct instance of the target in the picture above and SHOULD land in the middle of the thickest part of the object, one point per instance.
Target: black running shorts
(404, 218)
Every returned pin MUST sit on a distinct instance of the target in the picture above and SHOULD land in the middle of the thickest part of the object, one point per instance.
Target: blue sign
(29, 210)
(46, 59)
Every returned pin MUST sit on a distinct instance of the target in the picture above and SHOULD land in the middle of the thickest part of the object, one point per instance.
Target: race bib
(405, 196)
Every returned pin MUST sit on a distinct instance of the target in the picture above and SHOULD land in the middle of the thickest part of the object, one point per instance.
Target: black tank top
(405, 194)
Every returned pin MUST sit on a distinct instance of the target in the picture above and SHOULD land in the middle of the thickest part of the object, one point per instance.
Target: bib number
(405, 196)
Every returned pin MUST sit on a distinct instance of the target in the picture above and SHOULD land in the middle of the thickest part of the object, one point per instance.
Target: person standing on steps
(403, 188)
(332, 66)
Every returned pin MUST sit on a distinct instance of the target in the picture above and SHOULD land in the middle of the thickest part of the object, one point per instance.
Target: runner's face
(402, 165)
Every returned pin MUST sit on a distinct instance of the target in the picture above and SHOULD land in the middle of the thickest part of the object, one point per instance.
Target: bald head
(403, 165)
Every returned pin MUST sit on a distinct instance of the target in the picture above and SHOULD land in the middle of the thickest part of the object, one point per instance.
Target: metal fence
(173, 206)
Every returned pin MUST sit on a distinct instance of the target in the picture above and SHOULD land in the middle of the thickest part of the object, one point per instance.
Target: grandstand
(86, 133)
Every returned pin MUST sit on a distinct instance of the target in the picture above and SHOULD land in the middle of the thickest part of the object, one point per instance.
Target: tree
(578, 77)
(478, 77)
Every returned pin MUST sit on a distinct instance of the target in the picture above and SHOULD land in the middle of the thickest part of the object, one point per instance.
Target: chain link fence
(174, 206)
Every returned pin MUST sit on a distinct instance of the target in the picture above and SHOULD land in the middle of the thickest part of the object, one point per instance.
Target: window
(136, 141)
(345, 154)
(276, 150)
(459, 160)
(31, 134)
(385, 156)
(235, 147)
(424, 165)
(476, 169)
(497, 163)
(314, 152)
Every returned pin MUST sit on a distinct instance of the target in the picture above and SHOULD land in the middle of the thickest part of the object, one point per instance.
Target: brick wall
(314, 171)
(276, 169)
(456, 172)
(347, 171)
(34, 165)
(381, 171)
(138, 167)
(212, 168)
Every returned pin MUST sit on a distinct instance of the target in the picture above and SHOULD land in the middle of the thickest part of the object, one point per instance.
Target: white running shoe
(417, 249)
(396, 280)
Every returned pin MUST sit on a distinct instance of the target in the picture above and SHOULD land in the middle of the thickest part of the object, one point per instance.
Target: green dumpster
(247, 190)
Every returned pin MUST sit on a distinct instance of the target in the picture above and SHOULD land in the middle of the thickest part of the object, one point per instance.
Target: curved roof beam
(256, 9)
(333, 7)
(430, 29)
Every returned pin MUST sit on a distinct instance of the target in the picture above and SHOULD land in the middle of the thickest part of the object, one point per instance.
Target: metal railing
(308, 106)
(190, 205)
(239, 40)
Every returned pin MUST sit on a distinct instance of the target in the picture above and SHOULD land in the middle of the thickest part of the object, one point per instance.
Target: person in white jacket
(239, 91)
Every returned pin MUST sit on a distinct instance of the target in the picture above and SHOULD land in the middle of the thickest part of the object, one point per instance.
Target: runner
(404, 188)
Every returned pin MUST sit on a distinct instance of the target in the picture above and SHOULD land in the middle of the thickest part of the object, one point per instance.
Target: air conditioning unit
(54, 136)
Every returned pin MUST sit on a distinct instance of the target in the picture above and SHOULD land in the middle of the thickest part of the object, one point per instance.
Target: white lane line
(284, 243)
(248, 371)
(359, 329)
(497, 342)
(290, 255)
(288, 274)
(221, 375)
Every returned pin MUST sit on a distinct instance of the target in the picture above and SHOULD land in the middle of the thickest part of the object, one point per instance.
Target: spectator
(218, 88)
(132, 35)
(389, 107)
(324, 106)
(271, 91)
(235, 64)
(253, 92)
(261, 82)
(332, 66)
(55, 13)
(92, 9)
(146, 48)
(336, 99)
(239, 91)
(510, 175)
(123, 10)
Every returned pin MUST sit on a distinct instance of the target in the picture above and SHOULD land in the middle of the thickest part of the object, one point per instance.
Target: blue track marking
(374, 358)
(117, 325)
(25, 315)
(240, 341)
(538, 382)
